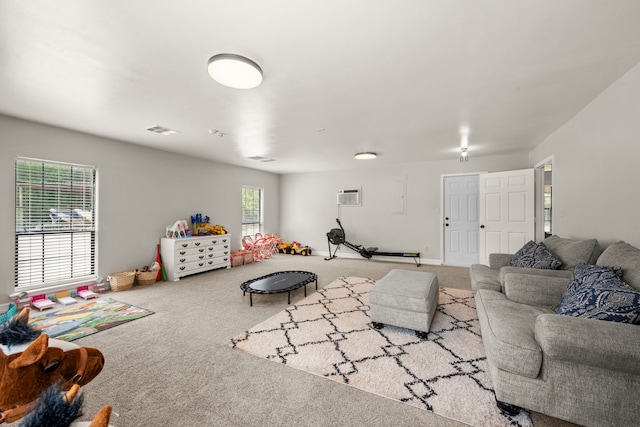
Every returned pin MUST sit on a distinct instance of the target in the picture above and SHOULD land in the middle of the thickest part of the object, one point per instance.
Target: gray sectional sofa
(578, 369)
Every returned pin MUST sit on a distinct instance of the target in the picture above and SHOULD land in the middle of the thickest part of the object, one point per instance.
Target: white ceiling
(396, 77)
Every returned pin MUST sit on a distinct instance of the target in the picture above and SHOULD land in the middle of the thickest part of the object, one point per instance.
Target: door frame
(442, 177)
(539, 197)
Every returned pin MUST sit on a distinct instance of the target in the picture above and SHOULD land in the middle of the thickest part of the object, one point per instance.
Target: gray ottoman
(404, 298)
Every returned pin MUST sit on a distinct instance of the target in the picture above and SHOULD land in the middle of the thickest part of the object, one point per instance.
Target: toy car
(294, 248)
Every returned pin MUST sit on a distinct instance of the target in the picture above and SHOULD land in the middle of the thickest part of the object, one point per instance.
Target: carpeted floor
(329, 334)
(173, 368)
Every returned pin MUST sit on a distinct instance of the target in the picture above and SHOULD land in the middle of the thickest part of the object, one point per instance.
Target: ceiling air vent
(162, 130)
(261, 159)
(349, 197)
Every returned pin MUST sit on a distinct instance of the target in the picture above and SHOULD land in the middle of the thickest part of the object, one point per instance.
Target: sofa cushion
(508, 333)
(625, 256)
(597, 292)
(573, 252)
(535, 255)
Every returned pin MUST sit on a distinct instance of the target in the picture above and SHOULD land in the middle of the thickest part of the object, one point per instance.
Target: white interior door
(461, 220)
(507, 212)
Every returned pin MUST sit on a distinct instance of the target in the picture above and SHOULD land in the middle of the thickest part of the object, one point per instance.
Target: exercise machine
(337, 237)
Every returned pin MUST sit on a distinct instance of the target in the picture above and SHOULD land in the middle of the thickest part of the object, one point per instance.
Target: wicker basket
(146, 277)
(122, 281)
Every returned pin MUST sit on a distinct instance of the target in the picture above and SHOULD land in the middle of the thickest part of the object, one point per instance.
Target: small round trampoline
(279, 282)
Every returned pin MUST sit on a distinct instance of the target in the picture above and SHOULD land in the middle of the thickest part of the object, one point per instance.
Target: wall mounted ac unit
(349, 197)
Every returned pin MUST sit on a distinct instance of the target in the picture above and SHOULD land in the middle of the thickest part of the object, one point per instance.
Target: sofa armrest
(541, 291)
(496, 261)
(598, 343)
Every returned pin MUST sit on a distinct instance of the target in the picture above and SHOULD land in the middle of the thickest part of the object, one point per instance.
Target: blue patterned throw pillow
(598, 292)
(535, 255)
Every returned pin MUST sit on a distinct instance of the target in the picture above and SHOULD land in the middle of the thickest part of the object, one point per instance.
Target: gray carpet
(173, 368)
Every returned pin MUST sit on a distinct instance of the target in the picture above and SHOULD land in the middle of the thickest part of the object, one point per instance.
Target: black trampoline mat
(279, 282)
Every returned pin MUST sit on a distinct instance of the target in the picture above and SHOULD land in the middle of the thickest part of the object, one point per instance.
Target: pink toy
(84, 292)
(41, 302)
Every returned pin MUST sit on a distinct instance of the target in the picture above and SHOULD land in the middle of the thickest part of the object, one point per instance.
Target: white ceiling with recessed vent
(396, 77)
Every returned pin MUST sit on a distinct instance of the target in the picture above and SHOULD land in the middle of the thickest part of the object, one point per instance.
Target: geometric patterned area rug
(329, 334)
(86, 318)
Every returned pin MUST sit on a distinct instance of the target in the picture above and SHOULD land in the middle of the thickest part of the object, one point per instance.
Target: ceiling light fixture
(464, 156)
(365, 155)
(234, 71)
(464, 144)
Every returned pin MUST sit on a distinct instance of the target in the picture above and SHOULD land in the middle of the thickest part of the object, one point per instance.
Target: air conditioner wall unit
(350, 197)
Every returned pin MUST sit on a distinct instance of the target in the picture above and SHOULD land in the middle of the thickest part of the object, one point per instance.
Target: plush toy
(57, 409)
(30, 363)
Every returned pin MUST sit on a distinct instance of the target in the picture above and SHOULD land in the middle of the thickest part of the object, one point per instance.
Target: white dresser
(190, 255)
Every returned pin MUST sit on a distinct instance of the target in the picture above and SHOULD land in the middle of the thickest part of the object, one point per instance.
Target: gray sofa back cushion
(573, 252)
(625, 256)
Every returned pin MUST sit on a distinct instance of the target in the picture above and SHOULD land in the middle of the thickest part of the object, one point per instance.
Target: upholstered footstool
(404, 298)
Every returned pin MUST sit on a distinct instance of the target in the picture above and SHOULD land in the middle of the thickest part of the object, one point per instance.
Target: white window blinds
(251, 210)
(55, 223)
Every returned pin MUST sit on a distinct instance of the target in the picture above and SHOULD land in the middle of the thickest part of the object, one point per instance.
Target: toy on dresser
(202, 227)
(178, 230)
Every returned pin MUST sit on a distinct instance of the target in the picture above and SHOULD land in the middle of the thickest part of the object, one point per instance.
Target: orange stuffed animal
(29, 366)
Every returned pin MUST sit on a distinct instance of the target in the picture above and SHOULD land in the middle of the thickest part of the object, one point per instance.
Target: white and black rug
(329, 334)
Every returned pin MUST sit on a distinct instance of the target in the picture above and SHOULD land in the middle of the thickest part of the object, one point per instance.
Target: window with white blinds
(251, 210)
(55, 223)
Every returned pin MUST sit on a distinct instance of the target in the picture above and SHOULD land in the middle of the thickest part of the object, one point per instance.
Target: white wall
(308, 209)
(140, 192)
(595, 190)
(596, 167)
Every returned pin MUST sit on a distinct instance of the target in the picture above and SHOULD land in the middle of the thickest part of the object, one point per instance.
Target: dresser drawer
(181, 252)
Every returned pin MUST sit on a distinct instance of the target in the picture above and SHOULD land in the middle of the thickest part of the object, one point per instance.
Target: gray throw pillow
(535, 255)
(572, 252)
(625, 256)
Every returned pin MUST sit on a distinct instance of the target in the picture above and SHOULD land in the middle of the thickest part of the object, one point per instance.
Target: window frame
(36, 264)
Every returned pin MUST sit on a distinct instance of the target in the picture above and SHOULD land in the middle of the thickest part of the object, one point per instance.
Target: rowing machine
(337, 237)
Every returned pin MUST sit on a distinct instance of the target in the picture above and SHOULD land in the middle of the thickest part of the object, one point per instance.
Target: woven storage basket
(146, 277)
(122, 281)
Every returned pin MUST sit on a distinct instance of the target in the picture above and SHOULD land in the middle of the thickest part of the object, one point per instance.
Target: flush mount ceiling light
(234, 71)
(365, 155)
